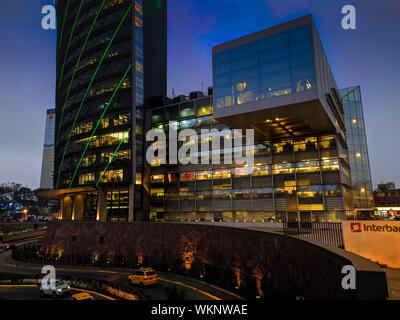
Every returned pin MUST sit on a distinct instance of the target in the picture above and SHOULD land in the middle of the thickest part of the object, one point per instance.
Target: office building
(279, 83)
(46, 178)
(111, 56)
(358, 150)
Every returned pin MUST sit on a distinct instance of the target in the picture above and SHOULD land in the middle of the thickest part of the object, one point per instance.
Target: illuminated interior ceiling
(281, 122)
(53, 194)
(281, 127)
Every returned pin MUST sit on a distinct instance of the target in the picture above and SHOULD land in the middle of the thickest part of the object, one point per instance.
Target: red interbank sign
(355, 227)
(375, 240)
(359, 227)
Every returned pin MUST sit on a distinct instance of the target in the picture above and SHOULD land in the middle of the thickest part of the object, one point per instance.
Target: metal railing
(325, 232)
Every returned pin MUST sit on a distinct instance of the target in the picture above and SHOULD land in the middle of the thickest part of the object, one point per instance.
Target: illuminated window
(241, 171)
(204, 111)
(113, 176)
(157, 192)
(332, 164)
(105, 123)
(138, 178)
(204, 175)
(157, 178)
(260, 170)
(307, 166)
(138, 22)
(172, 177)
(187, 176)
(86, 178)
(327, 142)
(139, 67)
(354, 121)
(283, 168)
(222, 174)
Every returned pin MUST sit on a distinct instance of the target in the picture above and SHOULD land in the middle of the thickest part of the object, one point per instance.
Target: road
(192, 289)
(31, 292)
(23, 236)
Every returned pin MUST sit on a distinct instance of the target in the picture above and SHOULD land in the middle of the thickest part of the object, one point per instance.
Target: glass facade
(358, 149)
(277, 65)
(100, 100)
(94, 93)
(299, 178)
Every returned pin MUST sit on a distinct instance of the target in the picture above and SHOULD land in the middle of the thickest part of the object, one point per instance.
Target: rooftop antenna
(173, 93)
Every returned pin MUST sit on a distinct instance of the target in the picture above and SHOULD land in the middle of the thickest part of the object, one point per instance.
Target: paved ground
(31, 292)
(393, 277)
(193, 289)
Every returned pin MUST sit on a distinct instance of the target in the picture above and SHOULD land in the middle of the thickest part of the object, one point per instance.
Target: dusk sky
(368, 56)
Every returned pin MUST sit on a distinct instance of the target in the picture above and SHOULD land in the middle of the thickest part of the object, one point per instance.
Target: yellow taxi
(144, 277)
(82, 296)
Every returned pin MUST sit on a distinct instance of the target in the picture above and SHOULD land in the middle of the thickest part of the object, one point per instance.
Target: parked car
(61, 288)
(144, 277)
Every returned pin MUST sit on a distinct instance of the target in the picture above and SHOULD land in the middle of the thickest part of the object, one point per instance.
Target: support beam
(102, 205)
(77, 213)
(66, 208)
(131, 213)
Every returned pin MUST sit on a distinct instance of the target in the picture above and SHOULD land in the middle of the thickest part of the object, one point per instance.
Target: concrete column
(102, 205)
(61, 214)
(131, 213)
(77, 213)
(66, 209)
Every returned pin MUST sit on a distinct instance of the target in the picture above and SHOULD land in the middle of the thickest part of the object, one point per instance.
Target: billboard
(375, 240)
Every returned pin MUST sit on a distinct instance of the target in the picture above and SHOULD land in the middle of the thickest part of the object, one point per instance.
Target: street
(189, 289)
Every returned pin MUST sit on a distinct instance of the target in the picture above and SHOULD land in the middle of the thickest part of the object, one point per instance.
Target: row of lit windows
(203, 108)
(303, 192)
(272, 90)
(317, 215)
(105, 157)
(102, 87)
(284, 168)
(112, 121)
(105, 140)
(108, 176)
(112, 176)
(108, 86)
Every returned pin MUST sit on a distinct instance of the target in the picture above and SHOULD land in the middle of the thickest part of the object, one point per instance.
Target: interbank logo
(355, 227)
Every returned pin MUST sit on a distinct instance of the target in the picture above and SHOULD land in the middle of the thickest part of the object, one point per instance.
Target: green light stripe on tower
(109, 162)
(98, 123)
(75, 69)
(87, 91)
(62, 28)
(69, 42)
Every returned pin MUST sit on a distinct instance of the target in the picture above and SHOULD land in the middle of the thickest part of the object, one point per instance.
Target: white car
(61, 288)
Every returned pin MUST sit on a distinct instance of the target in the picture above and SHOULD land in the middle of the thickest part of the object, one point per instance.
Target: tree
(13, 195)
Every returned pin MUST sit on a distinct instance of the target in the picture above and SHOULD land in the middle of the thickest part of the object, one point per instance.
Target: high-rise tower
(111, 55)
